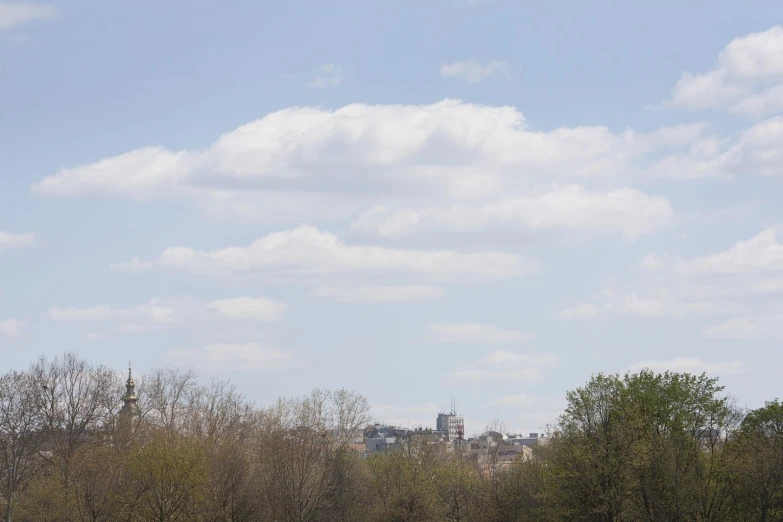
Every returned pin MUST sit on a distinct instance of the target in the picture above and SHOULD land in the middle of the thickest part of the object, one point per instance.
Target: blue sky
(485, 199)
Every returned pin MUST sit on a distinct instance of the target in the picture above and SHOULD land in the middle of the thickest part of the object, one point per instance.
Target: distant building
(381, 439)
(452, 425)
(520, 440)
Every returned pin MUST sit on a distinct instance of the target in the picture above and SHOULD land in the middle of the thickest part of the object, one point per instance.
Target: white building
(452, 425)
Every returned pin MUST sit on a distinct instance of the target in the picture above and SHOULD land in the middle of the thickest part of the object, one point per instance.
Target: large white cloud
(747, 78)
(451, 161)
(308, 251)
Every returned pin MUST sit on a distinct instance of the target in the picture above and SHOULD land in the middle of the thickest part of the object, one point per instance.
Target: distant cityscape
(491, 448)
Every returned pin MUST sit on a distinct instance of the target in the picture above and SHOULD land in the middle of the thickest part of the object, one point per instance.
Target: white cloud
(763, 325)
(378, 293)
(734, 284)
(251, 356)
(505, 366)
(250, 308)
(327, 75)
(176, 312)
(762, 253)
(747, 78)
(737, 328)
(11, 327)
(308, 251)
(570, 207)
(690, 365)
(152, 311)
(473, 71)
(652, 262)
(451, 161)
(475, 333)
(642, 306)
(581, 311)
(657, 302)
(93, 337)
(14, 14)
(10, 240)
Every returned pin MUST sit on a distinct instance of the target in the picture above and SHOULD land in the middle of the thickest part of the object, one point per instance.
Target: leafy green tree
(757, 488)
(679, 470)
(590, 453)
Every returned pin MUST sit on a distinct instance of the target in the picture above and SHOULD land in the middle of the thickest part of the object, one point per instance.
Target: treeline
(645, 446)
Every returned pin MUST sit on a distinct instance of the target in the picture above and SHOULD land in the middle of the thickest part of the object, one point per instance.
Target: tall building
(452, 425)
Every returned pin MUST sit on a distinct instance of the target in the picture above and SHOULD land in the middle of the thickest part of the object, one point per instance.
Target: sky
(481, 199)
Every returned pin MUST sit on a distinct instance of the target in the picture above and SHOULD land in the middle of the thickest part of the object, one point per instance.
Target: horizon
(470, 199)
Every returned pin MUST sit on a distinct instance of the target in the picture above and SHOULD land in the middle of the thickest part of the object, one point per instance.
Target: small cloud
(11, 327)
(378, 293)
(93, 337)
(250, 308)
(689, 365)
(15, 14)
(10, 240)
(251, 356)
(737, 328)
(651, 262)
(472, 71)
(169, 313)
(505, 366)
(328, 75)
(475, 333)
(94, 313)
(581, 311)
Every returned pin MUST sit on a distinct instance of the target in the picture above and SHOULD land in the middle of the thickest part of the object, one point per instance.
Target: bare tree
(233, 484)
(304, 441)
(22, 437)
(166, 398)
(219, 413)
(76, 401)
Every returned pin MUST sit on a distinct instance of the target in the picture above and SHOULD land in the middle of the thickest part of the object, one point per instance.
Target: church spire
(129, 399)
